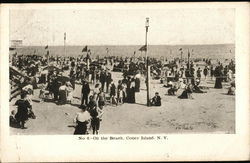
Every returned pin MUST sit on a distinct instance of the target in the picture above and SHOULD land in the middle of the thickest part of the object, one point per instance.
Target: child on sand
(101, 99)
(96, 114)
(156, 100)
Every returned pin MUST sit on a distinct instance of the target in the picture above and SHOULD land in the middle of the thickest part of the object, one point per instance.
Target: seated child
(156, 100)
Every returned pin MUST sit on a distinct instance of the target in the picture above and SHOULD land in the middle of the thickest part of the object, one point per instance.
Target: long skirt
(81, 128)
(62, 96)
(184, 95)
(218, 83)
(137, 85)
(131, 95)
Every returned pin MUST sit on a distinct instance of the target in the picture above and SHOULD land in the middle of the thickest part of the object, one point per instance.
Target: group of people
(55, 85)
(189, 78)
(89, 118)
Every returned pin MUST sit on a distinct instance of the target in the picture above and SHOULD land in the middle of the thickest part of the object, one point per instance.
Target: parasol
(63, 78)
(52, 68)
(170, 65)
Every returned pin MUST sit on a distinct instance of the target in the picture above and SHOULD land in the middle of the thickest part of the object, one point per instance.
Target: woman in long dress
(82, 119)
(219, 77)
(63, 94)
(186, 93)
(137, 82)
(132, 92)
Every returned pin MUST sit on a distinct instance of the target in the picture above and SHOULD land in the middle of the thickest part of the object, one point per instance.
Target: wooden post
(147, 62)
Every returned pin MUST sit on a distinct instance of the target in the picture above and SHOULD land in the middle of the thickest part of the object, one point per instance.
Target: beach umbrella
(52, 68)
(63, 78)
(170, 65)
(95, 64)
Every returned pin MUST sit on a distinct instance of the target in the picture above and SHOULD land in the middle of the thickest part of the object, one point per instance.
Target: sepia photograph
(130, 81)
(122, 71)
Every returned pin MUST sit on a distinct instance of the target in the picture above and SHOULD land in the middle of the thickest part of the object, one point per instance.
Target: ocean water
(218, 51)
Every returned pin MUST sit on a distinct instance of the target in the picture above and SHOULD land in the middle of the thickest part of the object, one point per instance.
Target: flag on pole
(12, 48)
(64, 35)
(143, 48)
(85, 49)
(188, 53)
(46, 47)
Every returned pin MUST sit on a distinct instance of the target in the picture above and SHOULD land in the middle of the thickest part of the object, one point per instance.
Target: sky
(122, 26)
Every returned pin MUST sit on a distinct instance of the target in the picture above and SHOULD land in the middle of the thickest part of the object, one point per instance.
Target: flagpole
(188, 59)
(147, 64)
(64, 44)
(181, 55)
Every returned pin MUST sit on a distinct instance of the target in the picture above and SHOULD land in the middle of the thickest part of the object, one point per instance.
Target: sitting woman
(231, 89)
(197, 88)
(169, 84)
(156, 100)
(187, 93)
(173, 89)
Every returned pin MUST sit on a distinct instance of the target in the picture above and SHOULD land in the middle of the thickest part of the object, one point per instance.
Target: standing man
(205, 71)
(192, 73)
(103, 79)
(212, 72)
(198, 73)
(108, 81)
(85, 92)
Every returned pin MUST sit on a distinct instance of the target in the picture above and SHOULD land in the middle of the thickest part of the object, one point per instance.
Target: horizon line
(134, 44)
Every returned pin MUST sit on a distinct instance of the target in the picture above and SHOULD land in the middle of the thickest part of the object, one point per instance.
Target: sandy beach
(211, 112)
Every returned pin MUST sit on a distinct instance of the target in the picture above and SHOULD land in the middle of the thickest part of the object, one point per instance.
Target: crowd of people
(56, 77)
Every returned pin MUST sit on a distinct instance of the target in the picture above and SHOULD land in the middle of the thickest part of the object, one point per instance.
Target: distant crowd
(56, 77)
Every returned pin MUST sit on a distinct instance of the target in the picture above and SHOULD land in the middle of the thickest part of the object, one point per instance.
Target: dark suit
(103, 79)
(85, 93)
